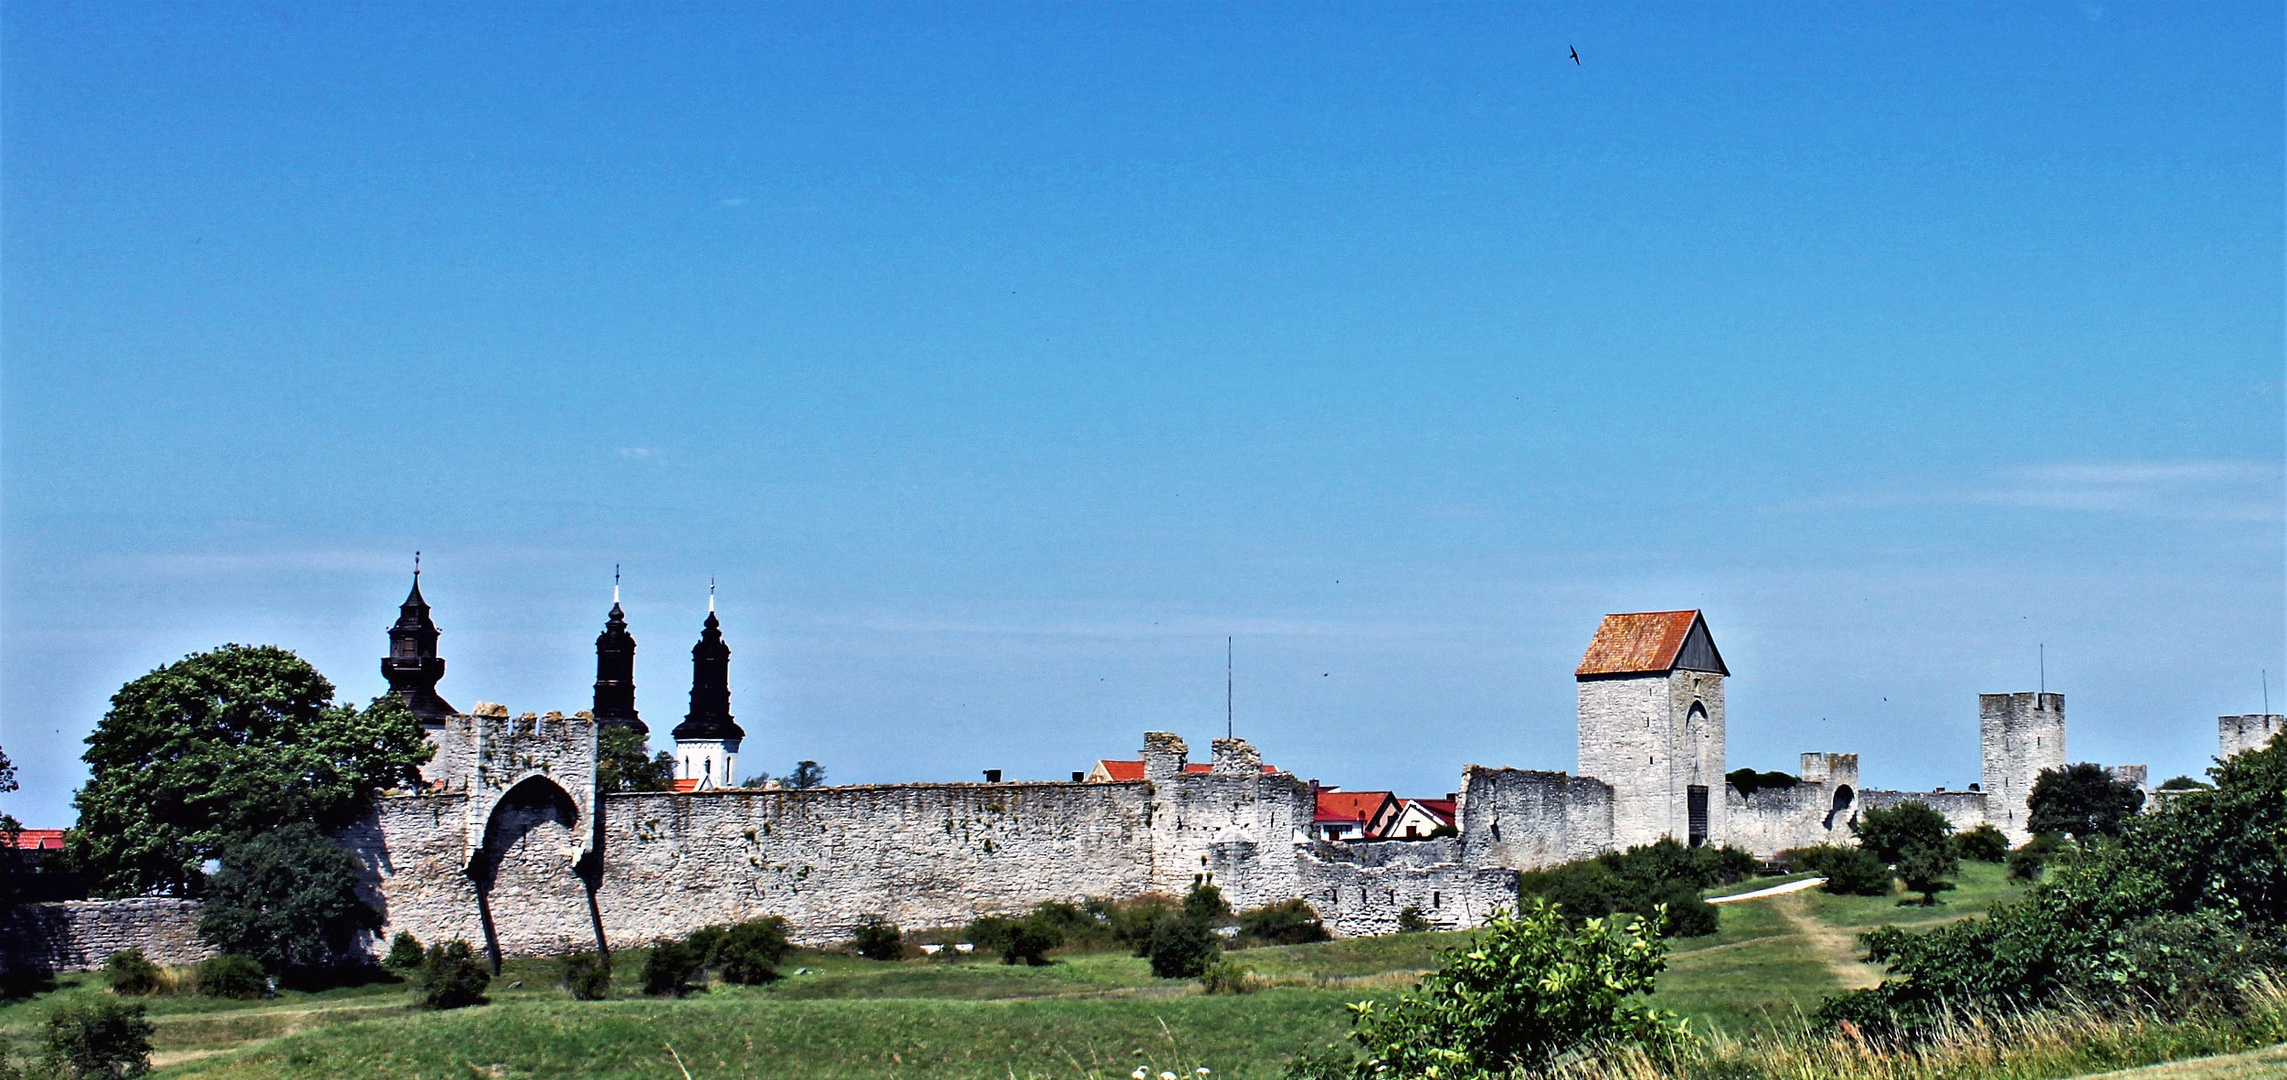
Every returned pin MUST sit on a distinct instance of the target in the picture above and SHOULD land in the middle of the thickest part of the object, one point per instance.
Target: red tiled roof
(40, 840)
(687, 785)
(1351, 806)
(1646, 641)
(1441, 809)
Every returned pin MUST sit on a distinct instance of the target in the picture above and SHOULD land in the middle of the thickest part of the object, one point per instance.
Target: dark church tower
(413, 666)
(615, 670)
(707, 741)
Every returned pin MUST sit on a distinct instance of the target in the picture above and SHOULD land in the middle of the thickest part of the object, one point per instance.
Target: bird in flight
(1575, 56)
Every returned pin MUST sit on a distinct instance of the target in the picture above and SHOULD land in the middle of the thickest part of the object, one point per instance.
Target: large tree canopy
(215, 749)
(2083, 800)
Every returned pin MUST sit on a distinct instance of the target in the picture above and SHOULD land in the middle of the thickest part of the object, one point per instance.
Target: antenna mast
(1230, 713)
(2044, 669)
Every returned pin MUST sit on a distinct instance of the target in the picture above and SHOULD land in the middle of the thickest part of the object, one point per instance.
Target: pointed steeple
(710, 716)
(413, 666)
(615, 668)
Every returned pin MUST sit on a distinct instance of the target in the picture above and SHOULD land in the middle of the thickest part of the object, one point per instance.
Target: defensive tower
(2019, 736)
(2254, 731)
(1651, 725)
(707, 741)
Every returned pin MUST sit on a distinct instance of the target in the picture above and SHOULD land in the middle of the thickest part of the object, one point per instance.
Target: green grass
(1089, 1014)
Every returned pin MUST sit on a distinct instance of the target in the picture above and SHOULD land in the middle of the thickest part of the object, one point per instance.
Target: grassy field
(1090, 1015)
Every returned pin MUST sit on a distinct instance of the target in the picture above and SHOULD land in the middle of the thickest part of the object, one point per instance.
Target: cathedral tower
(615, 669)
(413, 666)
(707, 741)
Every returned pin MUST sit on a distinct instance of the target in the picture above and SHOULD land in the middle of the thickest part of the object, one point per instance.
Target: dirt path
(1839, 948)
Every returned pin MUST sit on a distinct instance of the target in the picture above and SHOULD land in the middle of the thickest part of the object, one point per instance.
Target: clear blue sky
(1001, 360)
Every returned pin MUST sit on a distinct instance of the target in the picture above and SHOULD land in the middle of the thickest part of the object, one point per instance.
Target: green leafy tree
(1131, 921)
(806, 775)
(2082, 801)
(1205, 904)
(1848, 871)
(749, 952)
(1890, 832)
(1181, 948)
(1533, 988)
(289, 899)
(452, 976)
(1927, 869)
(877, 938)
(15, 866)
(405, 952)
(622, 764)
(98, 1038)
(1412, 921)
(220, 747)
(1641, 880)
(2182, 783)
(2033, 857)
(1748, 781)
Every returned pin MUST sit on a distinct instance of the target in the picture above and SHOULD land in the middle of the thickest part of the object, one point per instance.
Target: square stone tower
(2254, 731)
(1651, 725)
(2020, 735)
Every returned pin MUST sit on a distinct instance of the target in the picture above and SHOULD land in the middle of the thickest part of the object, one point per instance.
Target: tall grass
(2029, 1046)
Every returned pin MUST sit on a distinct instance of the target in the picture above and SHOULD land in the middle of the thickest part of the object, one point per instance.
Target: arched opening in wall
(530, 867)
(1842, 799)
(1694, 733)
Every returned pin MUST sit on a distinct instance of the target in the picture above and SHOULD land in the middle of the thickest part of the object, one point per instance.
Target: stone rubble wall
(1524, 819)
(1775, 819)
(1964, 810)
(1356, 900)
(76, 935)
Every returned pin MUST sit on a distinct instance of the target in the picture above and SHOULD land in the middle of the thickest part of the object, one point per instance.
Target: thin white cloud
(638, 452)
(2208, 490)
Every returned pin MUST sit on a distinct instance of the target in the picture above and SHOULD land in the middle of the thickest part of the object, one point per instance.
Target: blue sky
(1001, 360)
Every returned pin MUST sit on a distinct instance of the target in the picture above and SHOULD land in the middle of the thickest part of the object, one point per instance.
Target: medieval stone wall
(77, 935)
(1524, 819)
(921, 855)
(1653, 738)
(1775, 819)
(1964, 810)
(1355, 899)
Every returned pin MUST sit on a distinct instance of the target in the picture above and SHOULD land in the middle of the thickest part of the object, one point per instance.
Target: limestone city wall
(1354, 899)
(1964, 810)
(1775, 819)
(1526, 819)
(76, 935)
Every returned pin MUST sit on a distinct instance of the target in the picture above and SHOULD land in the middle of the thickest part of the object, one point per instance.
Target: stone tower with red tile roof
(1651, 725)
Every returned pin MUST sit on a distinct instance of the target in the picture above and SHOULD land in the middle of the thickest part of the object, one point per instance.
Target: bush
(130, 973)
(232, 976)
(1205, 904)
(289, 899)
(2028, 861)
(1131, 921)
(1982, 844)
(1748, 781)
(1890, 832)
(1533, 988)
(587, 975)
(405, 952)
(1640, 880)
(1849, 871)
(1411, 920)
(671, 968)
(1181, 948)
(703, 942)
(1225, 976)
(878, 938)
(749, 952)
(98, 1038)
(1292, 922)
(451, 977)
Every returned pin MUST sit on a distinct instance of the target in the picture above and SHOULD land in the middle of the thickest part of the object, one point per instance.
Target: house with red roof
(1419, 819)
(1353, 815)
(1108, 771)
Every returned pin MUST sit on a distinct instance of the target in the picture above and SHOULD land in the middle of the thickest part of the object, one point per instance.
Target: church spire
(615, 668)
(413, 666)
(710, 716)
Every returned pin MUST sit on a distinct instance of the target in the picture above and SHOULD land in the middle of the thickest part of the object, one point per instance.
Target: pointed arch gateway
(535, 873)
